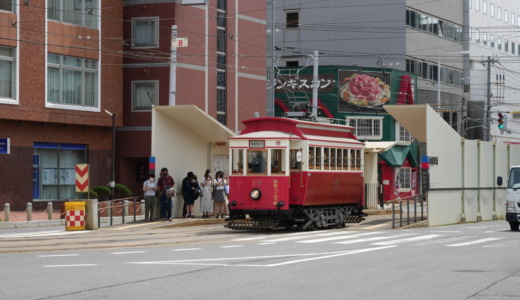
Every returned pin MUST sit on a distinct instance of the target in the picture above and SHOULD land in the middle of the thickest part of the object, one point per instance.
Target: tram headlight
(255, 194)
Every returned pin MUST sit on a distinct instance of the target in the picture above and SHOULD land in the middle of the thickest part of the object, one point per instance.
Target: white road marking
(261, 244)
(299, 237)
(503, 244)
(474, 242)
(377, 238)
(187, 249)
(216, 261)
(335, 238)
(376, 226)
(446, 231)
(40, 234)
(251, 238)
(58, 255)
(443, 241)
(128, 252)
(231, 246)
(65, 266)
(418, 238)
(329, 256)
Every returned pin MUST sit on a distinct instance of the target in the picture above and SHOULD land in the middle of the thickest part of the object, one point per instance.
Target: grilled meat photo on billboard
(364, 90)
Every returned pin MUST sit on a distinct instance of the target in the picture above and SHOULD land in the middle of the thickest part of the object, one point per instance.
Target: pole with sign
(176, 43)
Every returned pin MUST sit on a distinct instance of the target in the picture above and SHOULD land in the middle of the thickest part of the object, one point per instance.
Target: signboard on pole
(82, 181)
(5, 146)
(180, 42)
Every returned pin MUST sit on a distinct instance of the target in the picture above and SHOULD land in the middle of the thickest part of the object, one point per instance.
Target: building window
(145, 32)
(506, 16)
(82, 13)
(221, 40)
(7, 73)
(484, 7)
(492, 10)
(403, 135)
(7, 5)
(54, 170)
(72, 81)
(477, 5)
(221, 100)
(433, 25)
(292, 63)
(403, 178)
(292, 19)
(513, 46)
(499, 13)
(144, 95)
(367, 128)
(513, 19)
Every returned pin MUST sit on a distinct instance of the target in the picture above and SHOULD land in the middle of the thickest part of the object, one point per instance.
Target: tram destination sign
(5, 146)
(256, 144)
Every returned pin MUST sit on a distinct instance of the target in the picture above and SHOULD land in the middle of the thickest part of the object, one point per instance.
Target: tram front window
(257, 162)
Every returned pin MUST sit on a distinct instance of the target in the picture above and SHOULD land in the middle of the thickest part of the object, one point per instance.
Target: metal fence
(414, 203)
(120, 209)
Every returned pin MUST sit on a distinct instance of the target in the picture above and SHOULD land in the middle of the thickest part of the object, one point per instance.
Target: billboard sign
(5, 146)
(363, 91)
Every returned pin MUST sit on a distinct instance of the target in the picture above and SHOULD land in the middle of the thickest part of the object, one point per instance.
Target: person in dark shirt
(165, 182)
(184, 192)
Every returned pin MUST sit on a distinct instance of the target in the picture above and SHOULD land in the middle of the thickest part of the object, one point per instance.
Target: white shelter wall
(470, 198)
(487, 180)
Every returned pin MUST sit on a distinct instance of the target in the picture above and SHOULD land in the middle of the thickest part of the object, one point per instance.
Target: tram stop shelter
(462, 182)
(184, 139)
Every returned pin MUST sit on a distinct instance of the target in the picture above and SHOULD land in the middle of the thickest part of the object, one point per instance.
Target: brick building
(60, 69)
(222, 71)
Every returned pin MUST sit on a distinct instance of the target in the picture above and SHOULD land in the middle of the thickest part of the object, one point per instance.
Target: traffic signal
(501, 121)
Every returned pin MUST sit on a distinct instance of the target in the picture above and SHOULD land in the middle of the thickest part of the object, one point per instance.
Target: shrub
(93, 195)
(103, 192)
(122, 191)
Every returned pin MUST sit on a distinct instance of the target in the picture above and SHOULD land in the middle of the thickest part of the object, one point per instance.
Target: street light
(439, 72)
(112, 183)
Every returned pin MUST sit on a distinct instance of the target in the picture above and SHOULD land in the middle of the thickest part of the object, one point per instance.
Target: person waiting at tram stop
(149, 189)
(194, 192)
(185, 191)
(206, 202)
(220, 194)
(165, 182)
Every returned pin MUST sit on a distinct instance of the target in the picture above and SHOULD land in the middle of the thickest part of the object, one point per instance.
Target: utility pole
(487, 107)
(315, 85)
(173, 66)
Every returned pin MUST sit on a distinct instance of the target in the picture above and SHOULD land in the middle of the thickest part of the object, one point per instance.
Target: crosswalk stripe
(335, 238)
(474, 242)
(299, 237)
(418, 238)
(40, 234)
(371, 239)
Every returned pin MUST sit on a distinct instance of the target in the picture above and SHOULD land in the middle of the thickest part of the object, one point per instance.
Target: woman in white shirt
(149, 189)
(220, 194)
(206, 203)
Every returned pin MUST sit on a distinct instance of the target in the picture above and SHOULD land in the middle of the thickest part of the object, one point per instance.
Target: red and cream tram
(288, 172)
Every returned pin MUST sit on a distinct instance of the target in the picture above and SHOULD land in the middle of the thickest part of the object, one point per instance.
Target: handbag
(170, 192)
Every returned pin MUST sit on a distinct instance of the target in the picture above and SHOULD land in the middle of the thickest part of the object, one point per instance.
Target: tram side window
(333, 159)
(319, 160)
(357, 160)
(237, 160)
(345, 159)
(257, 161)
(278, 161)
(326, 158)
(293, 160)
(312, 157)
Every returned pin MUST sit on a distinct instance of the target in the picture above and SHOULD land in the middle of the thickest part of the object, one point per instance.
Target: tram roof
(297, 127)
(284, 135)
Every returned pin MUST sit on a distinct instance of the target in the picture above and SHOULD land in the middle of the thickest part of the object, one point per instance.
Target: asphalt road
(467, 261)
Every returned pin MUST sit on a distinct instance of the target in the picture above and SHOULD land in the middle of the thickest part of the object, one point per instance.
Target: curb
(29, 224)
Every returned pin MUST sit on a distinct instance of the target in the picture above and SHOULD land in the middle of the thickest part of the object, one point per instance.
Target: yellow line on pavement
(129, 226)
